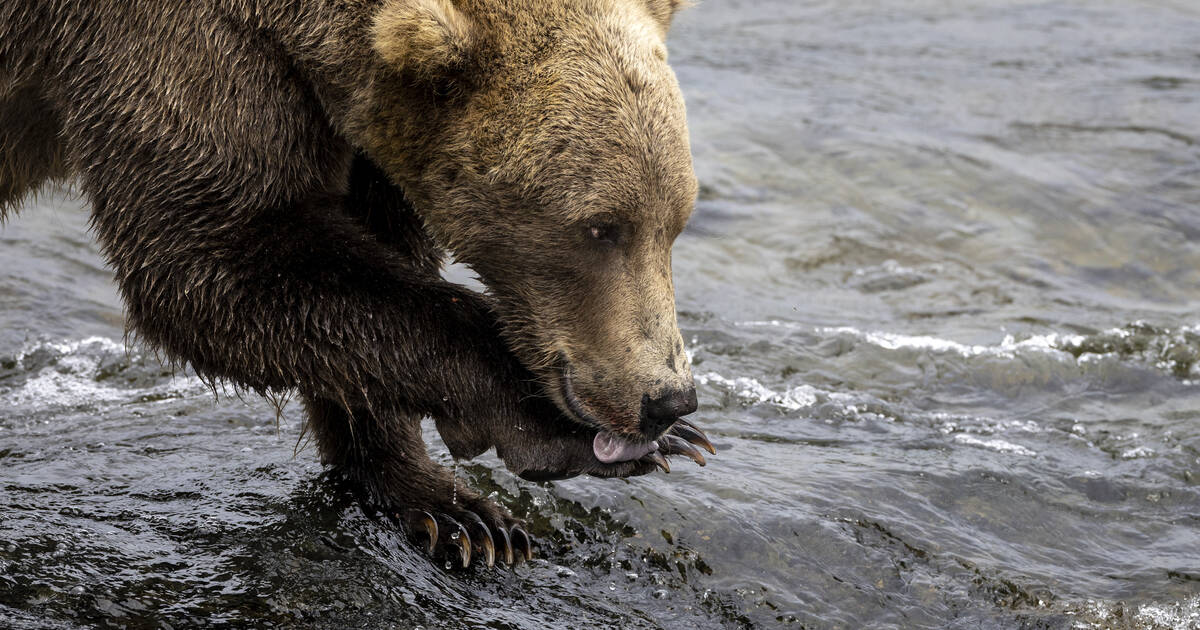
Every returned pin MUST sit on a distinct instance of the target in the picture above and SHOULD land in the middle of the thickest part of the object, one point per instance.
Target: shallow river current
(942, 296)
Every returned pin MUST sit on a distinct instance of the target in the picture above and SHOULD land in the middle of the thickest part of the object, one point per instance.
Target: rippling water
(942, 294)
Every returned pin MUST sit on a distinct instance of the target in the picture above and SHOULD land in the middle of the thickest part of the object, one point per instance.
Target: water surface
(942, 296)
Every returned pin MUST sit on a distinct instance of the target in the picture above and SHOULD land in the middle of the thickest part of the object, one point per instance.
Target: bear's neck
(327, 42)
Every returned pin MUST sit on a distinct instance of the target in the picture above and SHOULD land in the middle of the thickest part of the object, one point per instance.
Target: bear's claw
(481, 538)
(522, 544)
(419, 521)
(679, 440)
(689, 432)
(454, 540)
(672, 445)
(656, 458)
(506, 547)
(470, 539)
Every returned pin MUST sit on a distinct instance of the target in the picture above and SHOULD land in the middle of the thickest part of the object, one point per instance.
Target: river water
(942, 296)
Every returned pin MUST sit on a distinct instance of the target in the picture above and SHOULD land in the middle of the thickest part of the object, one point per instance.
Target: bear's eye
(605, 232)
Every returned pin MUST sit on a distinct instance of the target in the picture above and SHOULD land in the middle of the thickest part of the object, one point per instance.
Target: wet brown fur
(558, 113)
(275, 184)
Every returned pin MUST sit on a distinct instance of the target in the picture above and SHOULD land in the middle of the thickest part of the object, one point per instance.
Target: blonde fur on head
(424, 36)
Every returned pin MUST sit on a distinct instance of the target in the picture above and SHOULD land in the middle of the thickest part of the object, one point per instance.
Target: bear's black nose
(659, 413)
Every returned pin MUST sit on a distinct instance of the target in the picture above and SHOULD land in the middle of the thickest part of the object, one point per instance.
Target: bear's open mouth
(608, 447)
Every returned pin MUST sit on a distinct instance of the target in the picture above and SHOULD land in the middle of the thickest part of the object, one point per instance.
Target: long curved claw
(657, 459)
(506, 546)
(689, 432)
(455, 535)
(420, 520)
(522, 544)
(481, 538)
(677, 445)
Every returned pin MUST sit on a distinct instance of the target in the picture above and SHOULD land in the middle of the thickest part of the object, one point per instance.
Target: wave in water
(1175, 351)
(85, 373)
(751, 391)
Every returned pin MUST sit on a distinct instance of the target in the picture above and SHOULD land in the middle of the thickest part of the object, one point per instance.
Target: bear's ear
(427, 37)
(664, 10)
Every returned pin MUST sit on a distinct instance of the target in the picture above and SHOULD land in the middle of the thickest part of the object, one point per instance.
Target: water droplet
(660, 593)
(564, 572)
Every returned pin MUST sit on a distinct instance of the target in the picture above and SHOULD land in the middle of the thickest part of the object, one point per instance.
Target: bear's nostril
(659, 413)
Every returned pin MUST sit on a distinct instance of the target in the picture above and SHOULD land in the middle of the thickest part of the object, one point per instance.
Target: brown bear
(276, 184)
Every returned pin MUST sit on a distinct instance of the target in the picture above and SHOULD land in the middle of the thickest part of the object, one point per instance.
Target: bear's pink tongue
(610, 448)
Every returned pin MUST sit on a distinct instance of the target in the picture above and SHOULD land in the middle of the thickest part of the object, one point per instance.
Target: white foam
(96, 345)
(773, 323)
(1008, 347)
(894, 268)
(70, 379)
(1054, 345)
(1137, 452)
(1181, 614)
(751, 391)
(1001, 446)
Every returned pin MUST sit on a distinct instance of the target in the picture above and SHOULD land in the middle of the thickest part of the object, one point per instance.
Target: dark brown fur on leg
(383, 454)
(30, 153)
(382, 210)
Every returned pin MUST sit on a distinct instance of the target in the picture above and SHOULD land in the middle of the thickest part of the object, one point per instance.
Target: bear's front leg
(538, 443)
(300, 297)
(383, 456)
(560, 451)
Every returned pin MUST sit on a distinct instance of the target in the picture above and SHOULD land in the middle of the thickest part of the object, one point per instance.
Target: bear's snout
(660, 412)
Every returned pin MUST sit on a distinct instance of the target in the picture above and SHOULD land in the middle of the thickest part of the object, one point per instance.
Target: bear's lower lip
(611, 449)
(567, 390)
(608, 447)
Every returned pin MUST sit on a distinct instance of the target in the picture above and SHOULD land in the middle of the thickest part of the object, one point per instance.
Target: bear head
(544, 143)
